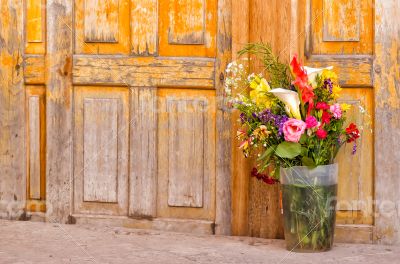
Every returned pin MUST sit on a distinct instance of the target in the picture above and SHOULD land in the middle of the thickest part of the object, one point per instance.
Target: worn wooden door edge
(387, 122)
(223, 122)
(12, 109)
(59, 110)
(240, 165)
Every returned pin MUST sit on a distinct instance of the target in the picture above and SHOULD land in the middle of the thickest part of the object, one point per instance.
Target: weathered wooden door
(134, 127)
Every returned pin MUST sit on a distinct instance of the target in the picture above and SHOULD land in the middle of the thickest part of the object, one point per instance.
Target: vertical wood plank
(34, 147)
(144, 25)
(12, 113)
(186, 125)
(387, 122)
(240, 165)
(100, 150)
(58, 110)
(265, 218)
(223, 121)
(143, 153)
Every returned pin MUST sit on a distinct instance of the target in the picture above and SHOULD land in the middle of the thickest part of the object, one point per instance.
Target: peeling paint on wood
(12, 112)
(144, 24)
(387, 112)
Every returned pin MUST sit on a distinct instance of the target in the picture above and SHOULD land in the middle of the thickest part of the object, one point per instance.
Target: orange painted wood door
(341, 34)
(142, 107)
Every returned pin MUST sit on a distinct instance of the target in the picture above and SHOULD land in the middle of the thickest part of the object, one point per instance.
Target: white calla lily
(290, 99)
(313, 72)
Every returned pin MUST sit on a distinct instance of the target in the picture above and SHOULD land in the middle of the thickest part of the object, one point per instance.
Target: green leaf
(288, 150)
(267, 154)
(307, 161)
(304, 151)
(303, 139)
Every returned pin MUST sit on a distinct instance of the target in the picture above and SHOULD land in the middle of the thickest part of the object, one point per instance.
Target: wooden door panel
(36, 147)
(186, 154)
(342, 27)
(187, 27)
(35, 24)
(101, 150)
(355, 193)
(102, 26)
(35, 104)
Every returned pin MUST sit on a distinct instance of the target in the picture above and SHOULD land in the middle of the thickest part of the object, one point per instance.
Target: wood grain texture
(186, 140)
(102, 27)
(265, 218)
(186, 31)
(186, 22)
(143, 153)
(166, 153)
(356, 172)
(101, 21)
(336, 19)
(100, 149)
(354, 70)
(101, 134)
(144, 25)
(341, 20)
(58, 110)
(150, 72)
(387, 129)
(240, 165)
(34, 69)
(12, 112)
(223, 122)
(36, 147)
(35, 26)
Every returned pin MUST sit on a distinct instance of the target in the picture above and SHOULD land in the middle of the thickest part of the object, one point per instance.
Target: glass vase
(309, 207)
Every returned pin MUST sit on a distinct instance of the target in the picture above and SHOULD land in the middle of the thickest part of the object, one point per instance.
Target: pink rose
(293, 129)
(311, 122)
(336, 111)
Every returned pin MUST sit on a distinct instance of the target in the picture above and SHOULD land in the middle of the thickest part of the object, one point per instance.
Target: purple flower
(243, 118)
(328, 85)
(278, 120)
(354, 148)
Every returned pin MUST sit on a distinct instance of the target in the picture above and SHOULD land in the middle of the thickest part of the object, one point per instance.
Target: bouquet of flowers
(289, 116)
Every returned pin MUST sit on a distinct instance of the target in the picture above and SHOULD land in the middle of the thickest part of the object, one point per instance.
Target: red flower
(263, 177)
(352, 132)
(301, 82)
(322, 106)
(321, 133)
(326, 118)
(298, 70)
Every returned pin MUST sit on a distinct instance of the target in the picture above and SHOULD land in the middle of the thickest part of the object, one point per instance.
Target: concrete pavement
(35, 242)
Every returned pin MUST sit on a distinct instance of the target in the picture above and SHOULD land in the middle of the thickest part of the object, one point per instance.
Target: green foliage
(278, 73)
(288, 150)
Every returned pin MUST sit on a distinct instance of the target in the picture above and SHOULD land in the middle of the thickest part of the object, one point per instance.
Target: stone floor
(33, 242)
